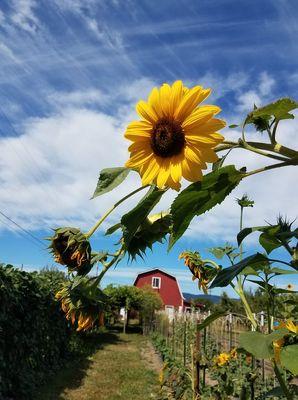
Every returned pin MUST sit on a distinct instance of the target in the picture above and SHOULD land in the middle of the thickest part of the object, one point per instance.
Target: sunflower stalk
(281, 381)
(272, 166)
(254, 146)
(104, 217)
(107, 266)
(239, 288)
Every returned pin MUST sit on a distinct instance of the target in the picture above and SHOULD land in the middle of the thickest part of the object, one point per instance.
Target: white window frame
(159, 282)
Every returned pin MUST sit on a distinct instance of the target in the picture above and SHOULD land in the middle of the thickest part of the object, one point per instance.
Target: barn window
(156, 282)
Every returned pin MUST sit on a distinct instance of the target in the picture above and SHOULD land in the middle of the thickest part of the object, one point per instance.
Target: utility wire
(23, 229)
(20, 233)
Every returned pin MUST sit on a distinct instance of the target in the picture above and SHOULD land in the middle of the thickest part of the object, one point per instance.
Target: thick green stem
(255, 146)
(273, 166)
(100, 221)
(241, 227)
(108, 266)
(247, 146)
(281, 381)
(247, 308)
(239, 288)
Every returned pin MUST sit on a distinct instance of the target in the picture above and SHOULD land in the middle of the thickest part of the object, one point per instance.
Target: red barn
(167, 286)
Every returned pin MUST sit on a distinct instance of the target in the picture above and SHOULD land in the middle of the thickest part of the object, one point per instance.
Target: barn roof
(148, 271)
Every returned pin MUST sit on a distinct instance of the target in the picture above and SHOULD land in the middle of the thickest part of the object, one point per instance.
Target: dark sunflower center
(167, 138)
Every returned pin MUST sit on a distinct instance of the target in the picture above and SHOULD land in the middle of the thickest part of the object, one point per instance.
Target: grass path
(124, 368)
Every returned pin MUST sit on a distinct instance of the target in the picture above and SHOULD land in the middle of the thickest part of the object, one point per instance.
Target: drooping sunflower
(201, 269)
(175, 137)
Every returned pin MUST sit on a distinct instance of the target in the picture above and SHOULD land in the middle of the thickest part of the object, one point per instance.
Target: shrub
(35, 338)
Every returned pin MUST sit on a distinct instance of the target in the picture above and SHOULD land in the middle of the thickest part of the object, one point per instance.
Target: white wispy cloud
(7, 52)
(24, 16)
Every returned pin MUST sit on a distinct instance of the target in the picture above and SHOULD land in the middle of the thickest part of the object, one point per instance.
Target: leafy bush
(35, 337)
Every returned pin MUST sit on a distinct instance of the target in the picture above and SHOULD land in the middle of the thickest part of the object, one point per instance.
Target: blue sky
(71, 72)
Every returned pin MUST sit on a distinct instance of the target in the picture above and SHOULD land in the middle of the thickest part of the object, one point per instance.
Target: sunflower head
(222, 359)
(70, 247)
(175, 136)
(82, 305)
(200, 269)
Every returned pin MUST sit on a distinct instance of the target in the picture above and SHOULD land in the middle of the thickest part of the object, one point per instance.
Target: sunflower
(221, 359)
(200, 269)
(175, 137)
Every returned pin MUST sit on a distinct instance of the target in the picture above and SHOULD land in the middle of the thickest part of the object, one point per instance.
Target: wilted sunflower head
(70, 247)
(83, 305)
(175, 137)
(200, 269)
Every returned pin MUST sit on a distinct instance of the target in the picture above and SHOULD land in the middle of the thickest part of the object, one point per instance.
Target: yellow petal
(292, 327)
(138, 159)
(173, 185)
(146, 111)
(139, 145)
(188, 103)
(210, 140)
(191, 171)
(164, 172)
(165, 97)
(138, 130)
(176, 170)
(176, 94)
(203, 95)
(194, 157)
(206, 154)
(200, 115)
(150, 173)
(154, 102)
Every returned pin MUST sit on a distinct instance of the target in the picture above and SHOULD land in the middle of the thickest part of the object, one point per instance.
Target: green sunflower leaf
(113, 229)
(289, 357)
(270, 230)
(133, 219)
(279, 110)
(200, 197)
(213, 317)
(268, 242)
(226, 275)
(110, 178)
(260, 344)
(153, 229)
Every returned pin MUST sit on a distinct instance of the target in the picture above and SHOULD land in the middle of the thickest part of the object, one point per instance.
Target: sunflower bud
(245, 201)
(71, 248)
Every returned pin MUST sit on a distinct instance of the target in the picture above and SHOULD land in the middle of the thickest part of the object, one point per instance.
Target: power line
(20, 233)
(23, 229)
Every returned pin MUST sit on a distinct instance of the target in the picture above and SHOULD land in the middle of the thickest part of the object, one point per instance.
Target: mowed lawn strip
(118, 371)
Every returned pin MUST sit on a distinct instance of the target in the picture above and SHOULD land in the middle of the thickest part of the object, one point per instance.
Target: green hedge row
(35, 338)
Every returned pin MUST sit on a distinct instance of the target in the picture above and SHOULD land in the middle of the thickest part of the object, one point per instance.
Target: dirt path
(126, 368)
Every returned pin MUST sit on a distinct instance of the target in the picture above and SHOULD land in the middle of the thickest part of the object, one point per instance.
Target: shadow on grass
(73, 373)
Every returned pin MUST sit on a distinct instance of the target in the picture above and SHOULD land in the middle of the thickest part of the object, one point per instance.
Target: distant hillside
(189, 296)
